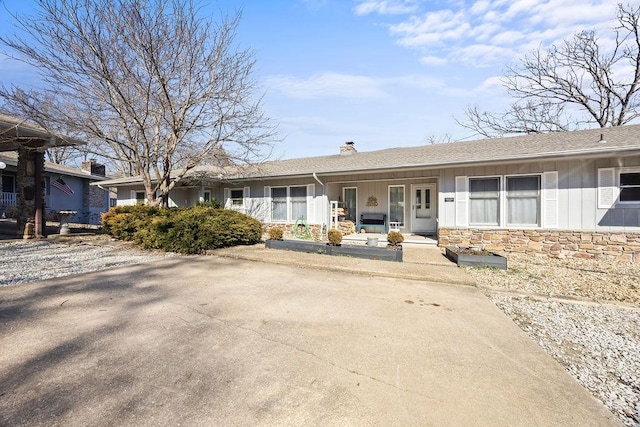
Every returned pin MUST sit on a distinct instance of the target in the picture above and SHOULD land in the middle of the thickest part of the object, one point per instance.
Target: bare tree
(152, 86)
(578, 75)
(439, 139)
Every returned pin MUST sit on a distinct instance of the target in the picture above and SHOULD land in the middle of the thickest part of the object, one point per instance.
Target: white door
(423, 208)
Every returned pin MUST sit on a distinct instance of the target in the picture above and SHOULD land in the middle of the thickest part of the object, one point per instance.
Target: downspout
(324, 211)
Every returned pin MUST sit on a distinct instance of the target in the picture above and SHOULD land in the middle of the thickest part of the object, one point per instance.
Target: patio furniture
(373, 220)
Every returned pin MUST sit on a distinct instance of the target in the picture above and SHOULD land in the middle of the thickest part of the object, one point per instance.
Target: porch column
(27, 194)
(40, 228)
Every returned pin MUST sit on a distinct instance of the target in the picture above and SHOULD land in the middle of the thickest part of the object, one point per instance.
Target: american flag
(62, 186)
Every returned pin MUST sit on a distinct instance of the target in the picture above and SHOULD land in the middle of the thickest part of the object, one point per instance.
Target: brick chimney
(94, 168)
(348, 148)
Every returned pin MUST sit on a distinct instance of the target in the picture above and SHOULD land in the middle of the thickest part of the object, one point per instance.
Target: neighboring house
(65, 189)
(574, 193)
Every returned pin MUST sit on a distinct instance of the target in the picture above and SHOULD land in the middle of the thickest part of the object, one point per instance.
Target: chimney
(94, 168)
(348, 148)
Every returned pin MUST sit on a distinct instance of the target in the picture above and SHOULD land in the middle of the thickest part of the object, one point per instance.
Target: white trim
(502, 199)
(246, 195)
(505, 218)
(404, 207)
(608, 189)
(619, 186)
(433, 206)
(550, 199)
(311, 206)
(344, 200)
(462, 201)
(227, 198)
(548, 212)
(267, 203)
(310, 217)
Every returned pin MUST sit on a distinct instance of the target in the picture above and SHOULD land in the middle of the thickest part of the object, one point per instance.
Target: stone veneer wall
(346, 227)
(619, 246)
(315, 229)
(94, 197)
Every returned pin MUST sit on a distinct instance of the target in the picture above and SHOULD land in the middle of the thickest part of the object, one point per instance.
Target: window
(298, 202)
(289, 203)
(237, 198)
(206, 196)
(630, 187)
(396, 204)
(350, 203)
(8, 184)
(484, 197)
(279, 203)
(523, 200)
(140, 197)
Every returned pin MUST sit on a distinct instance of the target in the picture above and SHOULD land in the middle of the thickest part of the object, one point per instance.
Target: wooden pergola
(31, 142)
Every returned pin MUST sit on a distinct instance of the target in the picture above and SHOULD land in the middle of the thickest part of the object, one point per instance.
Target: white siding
(311, 207)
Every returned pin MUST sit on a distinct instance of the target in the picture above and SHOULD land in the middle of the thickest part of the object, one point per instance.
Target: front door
(423, 208)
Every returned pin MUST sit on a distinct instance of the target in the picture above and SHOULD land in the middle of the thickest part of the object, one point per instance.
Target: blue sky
(381, 73)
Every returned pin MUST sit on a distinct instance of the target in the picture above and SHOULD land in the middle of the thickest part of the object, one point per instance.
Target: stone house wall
(619, 246)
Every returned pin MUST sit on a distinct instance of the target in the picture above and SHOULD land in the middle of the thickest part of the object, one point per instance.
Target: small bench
(373, 220)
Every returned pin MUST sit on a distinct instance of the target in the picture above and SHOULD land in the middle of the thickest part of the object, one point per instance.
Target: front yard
(585, 313)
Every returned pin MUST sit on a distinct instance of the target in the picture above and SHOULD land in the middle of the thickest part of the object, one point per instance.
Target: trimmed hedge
(182, 230)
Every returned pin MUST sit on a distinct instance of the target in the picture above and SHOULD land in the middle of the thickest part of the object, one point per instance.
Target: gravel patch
(24, 261)
(596, 337)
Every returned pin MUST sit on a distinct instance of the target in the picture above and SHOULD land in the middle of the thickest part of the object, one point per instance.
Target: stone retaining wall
(619, 246)
(346, 227)
(315, 229)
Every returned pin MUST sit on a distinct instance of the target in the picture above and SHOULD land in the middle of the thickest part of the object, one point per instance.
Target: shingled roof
(592, 142)
(600, 142)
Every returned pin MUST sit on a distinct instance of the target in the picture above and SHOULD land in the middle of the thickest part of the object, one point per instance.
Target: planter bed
(465, 256)
(354, 251)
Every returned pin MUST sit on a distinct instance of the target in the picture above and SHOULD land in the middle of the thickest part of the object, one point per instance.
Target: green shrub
(395, 238)
(276, 233)
(335, 237)
(183, 230)
(213, 203)
(128, 222)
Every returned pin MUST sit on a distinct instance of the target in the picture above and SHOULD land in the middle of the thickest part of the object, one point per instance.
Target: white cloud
(415, 81)
(386, 7)
(326, 85)
(432, 28)
(493, 30)
(346, 86)
(479, 7)
(507, 38)
(433, 60)
(482, 55)
(490, 85)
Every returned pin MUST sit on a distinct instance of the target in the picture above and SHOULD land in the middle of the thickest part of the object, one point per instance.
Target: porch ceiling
(16, 134)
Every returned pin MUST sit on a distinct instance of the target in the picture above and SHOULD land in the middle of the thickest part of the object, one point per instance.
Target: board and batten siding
(584, 197)
(258, 199)
(611, 214)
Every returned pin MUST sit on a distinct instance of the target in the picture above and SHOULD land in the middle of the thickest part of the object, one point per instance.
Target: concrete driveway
(204, 341)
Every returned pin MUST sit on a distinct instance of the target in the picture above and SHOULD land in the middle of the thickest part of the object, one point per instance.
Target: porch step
(409, 239)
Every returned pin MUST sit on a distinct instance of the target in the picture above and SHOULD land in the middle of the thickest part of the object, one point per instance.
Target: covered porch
(27, 194)
(406, 204)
